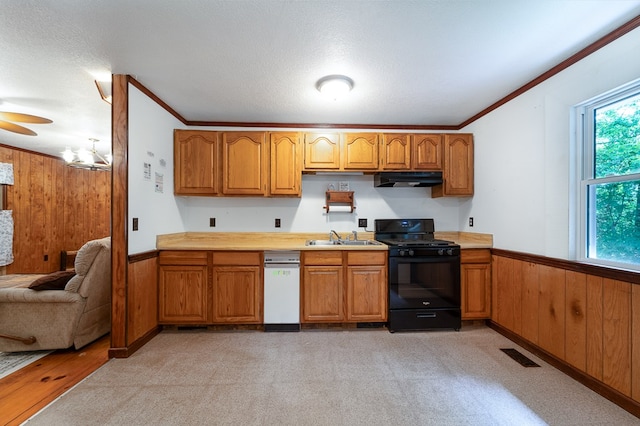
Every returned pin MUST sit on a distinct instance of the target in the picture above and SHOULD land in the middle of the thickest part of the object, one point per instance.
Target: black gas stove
(424, 275)
(413, 237)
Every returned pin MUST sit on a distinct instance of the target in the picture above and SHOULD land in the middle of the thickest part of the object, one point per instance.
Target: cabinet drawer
(475, 256)
(366, 257)
(183, 257)
(322, 258)
(244, 258)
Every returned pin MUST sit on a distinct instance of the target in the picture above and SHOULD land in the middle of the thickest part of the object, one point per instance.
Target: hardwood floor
(28, 390)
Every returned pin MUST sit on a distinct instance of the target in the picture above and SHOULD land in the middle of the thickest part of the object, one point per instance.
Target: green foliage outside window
(617, 204)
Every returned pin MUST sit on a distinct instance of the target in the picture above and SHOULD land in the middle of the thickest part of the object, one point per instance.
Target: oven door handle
(427, 315)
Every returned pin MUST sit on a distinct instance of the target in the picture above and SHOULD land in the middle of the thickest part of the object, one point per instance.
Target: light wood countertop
(260, 241)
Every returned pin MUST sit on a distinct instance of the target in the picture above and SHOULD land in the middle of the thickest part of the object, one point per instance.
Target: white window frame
(584, 172)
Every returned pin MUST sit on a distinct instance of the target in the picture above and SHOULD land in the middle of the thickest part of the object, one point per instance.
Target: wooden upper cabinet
(322, 151)
(396, 151)
(244, 163)
(458, 166)
(427, 152)
(286, 164)
(360, 151)
(195, 162)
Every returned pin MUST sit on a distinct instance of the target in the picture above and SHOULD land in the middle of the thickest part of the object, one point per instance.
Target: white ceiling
(413, 62)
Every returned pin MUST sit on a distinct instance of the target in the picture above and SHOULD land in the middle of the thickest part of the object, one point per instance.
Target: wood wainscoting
(142, 304)
(583, 319)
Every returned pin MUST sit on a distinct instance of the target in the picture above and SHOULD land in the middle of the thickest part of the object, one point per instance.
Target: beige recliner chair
(59, 319)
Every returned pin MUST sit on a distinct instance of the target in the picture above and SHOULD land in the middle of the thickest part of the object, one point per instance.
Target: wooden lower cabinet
(203, 287)
(322, 287)
(367, 286)
(183, 288)
(475, 284)
(237, 287)
(325, 298)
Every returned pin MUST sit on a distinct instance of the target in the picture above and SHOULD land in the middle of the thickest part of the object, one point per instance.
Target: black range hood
(407, 179)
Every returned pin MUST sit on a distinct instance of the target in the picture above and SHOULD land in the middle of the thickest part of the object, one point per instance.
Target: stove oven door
(424, 282)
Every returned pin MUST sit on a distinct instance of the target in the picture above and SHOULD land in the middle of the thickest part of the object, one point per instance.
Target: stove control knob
(450, 252)
(410, 252)
(402, 252)
(440, 252)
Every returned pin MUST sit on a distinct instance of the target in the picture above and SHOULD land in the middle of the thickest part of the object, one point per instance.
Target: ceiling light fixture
(334, 86)
(88, 159)
(104, 88)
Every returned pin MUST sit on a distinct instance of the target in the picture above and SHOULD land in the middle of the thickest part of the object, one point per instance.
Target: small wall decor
(6, 173)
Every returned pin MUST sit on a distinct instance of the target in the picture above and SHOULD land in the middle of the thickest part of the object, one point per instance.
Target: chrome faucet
(332, 233)
(355, 235)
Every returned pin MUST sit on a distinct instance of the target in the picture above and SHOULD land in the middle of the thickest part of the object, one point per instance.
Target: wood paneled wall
(588, 322)
(55, 208)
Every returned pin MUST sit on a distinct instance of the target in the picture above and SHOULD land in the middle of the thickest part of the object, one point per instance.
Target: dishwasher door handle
(282, 265)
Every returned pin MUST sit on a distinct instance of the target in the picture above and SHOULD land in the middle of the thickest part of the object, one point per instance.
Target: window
(609, 190)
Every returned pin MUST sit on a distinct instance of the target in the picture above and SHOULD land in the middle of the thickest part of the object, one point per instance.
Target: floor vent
(517, 356)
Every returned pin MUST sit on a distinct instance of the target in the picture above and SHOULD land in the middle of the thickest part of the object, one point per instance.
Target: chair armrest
(26, 295)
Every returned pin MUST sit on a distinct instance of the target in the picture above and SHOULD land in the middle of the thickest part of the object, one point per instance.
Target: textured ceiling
(413, 62)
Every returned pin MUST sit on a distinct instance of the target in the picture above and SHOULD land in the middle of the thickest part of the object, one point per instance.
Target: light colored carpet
(11, 362)
(321, 377)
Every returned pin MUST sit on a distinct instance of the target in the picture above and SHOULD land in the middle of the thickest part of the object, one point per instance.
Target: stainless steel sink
(342, 243)
(360, 243)
(321, 243)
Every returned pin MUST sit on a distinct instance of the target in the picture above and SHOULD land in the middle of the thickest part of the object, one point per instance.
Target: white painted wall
(522, 154)
(151, 141)
(306, 214)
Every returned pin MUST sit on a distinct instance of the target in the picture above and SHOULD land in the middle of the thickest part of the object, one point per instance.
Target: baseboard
(625, 402)
(127, 351)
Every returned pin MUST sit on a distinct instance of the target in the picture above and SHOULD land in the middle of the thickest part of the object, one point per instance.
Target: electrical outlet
(362, 223)
(135, 223)
(46, 257)
(277, 223)
(212, 222)
(470, 221)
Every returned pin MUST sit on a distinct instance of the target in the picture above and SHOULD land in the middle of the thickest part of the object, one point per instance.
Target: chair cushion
(53, 281)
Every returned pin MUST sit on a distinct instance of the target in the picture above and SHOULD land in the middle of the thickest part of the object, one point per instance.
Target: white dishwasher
(281, 291)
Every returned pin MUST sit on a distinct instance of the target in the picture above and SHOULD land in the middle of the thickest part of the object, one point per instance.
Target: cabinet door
(183, 294)
(322, 294)
(427, 151)
(286, 154)
(457, 171)
(475, 282)
(237, 295)
(396, 151)
(195, 162)
(367, 293)
(322, 151)
(361, 151)
(244, 165)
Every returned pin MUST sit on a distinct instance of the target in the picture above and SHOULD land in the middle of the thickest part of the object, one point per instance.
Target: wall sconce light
(104, 88)
(334, 86)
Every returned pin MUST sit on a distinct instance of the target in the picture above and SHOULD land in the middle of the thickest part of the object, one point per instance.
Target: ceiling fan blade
(16, 129)
(23, 118)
